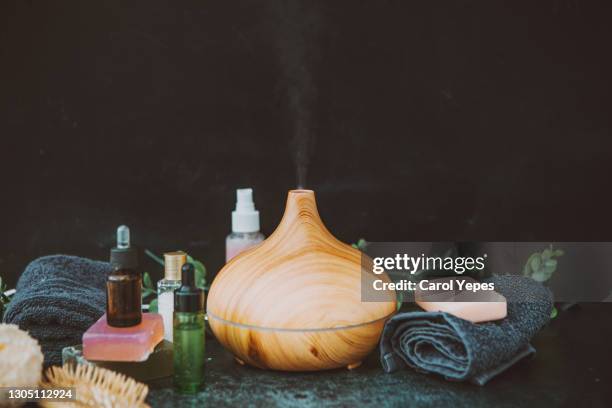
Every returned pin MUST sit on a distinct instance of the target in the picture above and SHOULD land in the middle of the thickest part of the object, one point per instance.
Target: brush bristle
(97, 387)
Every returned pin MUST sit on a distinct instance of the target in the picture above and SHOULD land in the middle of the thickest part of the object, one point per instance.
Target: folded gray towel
(438, 342)
(59, 297)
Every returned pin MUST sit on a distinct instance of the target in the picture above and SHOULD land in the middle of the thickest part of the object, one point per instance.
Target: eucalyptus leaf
(154, 257)
(547, 269)
(146, 292)
(527, 269)
(153, 306)
(146, 279)
(200, 271)
(535, 263)
(362, 244)
(541, 266)
(540, 276)
(3, 298)
(400, 299)
(551, 263)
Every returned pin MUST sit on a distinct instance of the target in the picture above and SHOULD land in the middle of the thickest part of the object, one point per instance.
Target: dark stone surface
(571, 368)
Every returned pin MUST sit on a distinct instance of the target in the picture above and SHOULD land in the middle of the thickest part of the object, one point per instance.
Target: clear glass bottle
(189, 333)
(245, 225)
(173, 261)
(124, 284)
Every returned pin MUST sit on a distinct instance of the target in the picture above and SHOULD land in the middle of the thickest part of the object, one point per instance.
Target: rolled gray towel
(440, 343)
(59, 297)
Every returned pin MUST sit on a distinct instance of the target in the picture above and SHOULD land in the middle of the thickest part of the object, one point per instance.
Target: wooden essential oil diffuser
(294, 301)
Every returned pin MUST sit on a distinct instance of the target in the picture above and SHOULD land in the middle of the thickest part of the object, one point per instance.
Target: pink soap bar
(475, 312)
(483, 306)
(102, 342)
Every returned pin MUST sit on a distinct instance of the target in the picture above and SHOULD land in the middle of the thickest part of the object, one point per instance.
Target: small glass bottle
(245, 225)
(173, 261)
(124, 284)
(189, 326)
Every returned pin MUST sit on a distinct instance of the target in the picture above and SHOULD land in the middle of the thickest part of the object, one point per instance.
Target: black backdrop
(480, 120)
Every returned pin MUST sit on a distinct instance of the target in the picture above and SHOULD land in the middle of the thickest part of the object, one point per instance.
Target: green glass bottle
(188, 333)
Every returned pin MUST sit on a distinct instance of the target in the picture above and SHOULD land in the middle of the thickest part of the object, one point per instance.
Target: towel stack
(440, 343)
(58, 297)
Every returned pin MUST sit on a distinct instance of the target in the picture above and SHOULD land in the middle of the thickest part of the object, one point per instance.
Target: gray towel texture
(440, 343)
(58, 298)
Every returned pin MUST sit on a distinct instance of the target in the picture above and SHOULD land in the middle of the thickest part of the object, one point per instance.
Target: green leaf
(546, 254)
(362, 244)
(200, 271)
(400, 299)
(554, 313)
(558, 252)
(551, 263)
(545, 272)
(146, 292)
(527, 270)
(153, 306)
(535, 263)
(4, 300)
(146, 280)
(154, 257)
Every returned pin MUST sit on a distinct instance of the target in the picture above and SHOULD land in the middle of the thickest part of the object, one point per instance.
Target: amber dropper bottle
(124, 284)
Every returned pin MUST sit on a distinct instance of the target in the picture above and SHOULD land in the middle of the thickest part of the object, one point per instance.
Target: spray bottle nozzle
(245, 218)
(244, 200)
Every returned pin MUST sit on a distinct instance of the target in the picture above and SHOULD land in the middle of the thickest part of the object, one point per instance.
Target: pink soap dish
(102, 342)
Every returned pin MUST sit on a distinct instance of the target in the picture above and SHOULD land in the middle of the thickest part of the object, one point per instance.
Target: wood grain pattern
(294, 301)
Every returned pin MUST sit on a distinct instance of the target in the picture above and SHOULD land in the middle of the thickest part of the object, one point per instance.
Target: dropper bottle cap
(245, 218)
(188, 298)
(124, 256)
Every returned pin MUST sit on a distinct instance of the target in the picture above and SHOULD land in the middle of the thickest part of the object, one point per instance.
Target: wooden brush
(96, 387)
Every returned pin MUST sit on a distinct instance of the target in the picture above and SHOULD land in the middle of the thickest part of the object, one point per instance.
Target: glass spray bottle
(188, 333)
(245, 225)
(123, 284)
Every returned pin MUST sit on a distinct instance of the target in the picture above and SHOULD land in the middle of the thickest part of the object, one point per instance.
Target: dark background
(470, 120)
